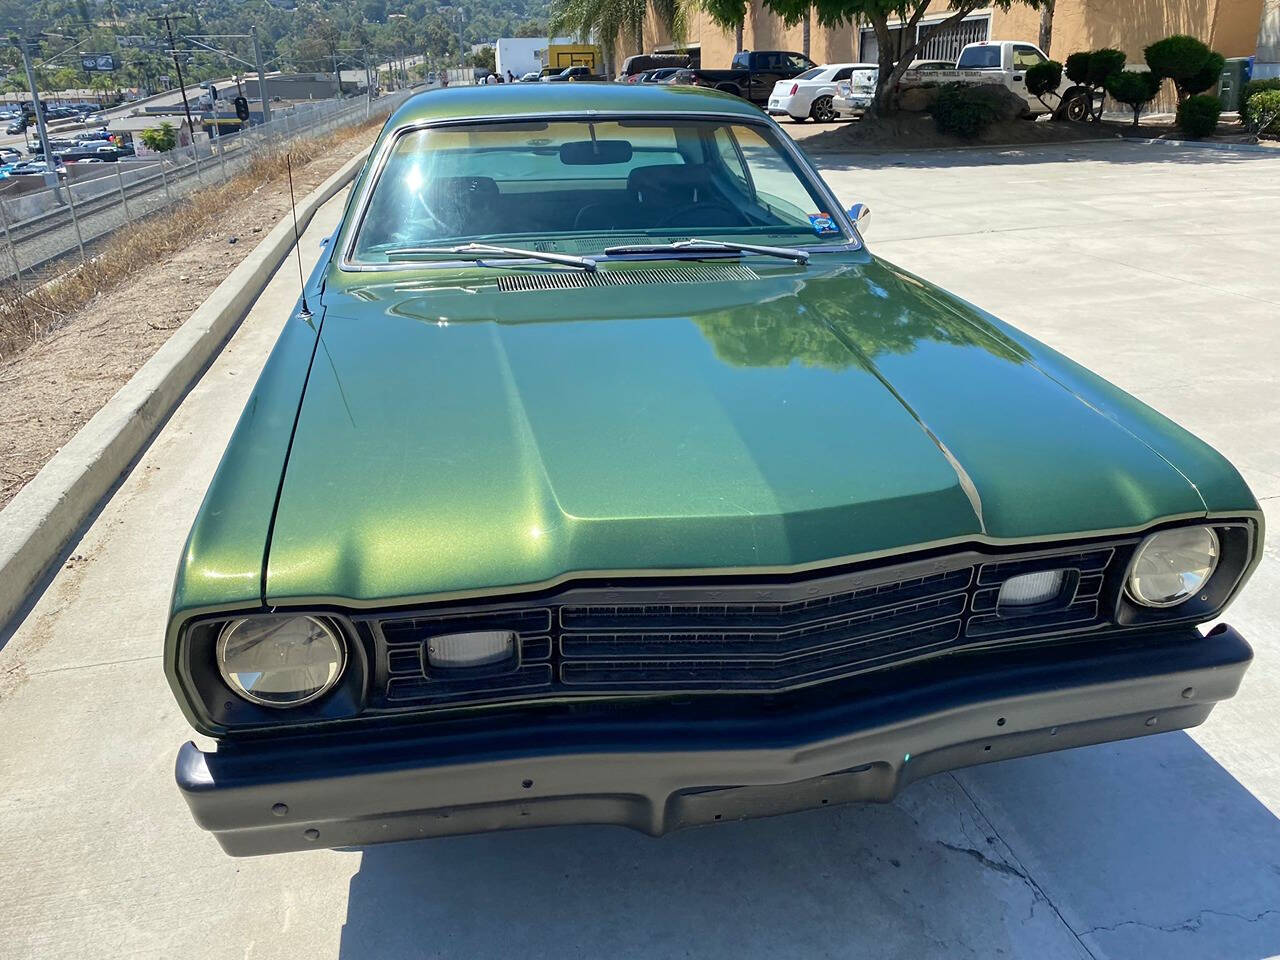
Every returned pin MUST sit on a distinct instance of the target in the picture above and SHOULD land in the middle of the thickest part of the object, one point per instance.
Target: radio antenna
(297, 240)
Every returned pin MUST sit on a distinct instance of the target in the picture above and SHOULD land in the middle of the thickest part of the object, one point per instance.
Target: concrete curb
(1230, 147)
(38, 523)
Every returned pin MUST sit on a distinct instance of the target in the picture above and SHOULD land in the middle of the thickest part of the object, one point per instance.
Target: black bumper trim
(276, 796)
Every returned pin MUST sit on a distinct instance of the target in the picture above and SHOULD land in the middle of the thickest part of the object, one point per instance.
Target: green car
(602, 475)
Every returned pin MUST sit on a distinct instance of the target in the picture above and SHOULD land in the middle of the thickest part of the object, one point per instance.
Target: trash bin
(1235, 74)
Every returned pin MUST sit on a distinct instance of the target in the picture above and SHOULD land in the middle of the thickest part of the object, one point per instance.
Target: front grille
(732, 636)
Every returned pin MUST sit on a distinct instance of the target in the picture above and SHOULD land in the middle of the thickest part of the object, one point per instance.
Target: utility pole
(182, 84)
(262, 77)
(51, 176)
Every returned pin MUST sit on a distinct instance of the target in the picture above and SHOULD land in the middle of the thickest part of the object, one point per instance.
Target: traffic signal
(242, 108)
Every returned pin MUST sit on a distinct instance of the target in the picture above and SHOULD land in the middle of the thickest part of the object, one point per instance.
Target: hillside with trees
(306, 35)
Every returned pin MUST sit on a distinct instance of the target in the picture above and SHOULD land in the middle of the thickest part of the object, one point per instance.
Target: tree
(1043, 79)
(897, 49)
(1134, 88)
(1102, 65)
(1188, 62)
(1046, 25)
(161, 139)
(607, 20)
(485, 59)
(1261, 111)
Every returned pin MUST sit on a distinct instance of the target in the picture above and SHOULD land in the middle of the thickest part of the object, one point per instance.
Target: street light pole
(182, 85)
(262, 77)
(51, 175)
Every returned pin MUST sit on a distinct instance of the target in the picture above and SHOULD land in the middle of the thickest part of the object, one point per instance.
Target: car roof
(538, 100)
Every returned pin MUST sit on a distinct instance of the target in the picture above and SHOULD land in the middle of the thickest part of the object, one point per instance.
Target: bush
(963, 110)
(1198, 116)
(1262, 111)
(1102, 64)
(1134, 88)
(1246, 94)
(161, 140)
(1078, 67)
(1182, 59)
(1209, 75)
(1044, 78)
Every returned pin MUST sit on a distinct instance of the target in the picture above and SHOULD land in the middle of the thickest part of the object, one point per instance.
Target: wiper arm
(712, 247)
(482, 251)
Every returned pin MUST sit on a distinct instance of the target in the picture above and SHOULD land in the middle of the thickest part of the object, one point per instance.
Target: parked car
(810, 94)
(10, 155)
(606, 476)
(682, 77)
(530, 77)
(576, 73)
(754, 73)
(853, 97)
(1006, 62)
(646, 62)
(657, 76)
(16, 126)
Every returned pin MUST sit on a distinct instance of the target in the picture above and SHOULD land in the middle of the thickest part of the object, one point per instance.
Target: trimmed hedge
(1264, 112)
(962, 111)
(1043, 78)
(1183, 60)
(1134, 88)
(1198, 115)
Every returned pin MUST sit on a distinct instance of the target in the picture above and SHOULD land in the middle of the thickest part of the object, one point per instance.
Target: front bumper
(657, 775)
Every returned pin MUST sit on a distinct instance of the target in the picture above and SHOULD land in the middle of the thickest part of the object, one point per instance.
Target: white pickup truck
(1006, 62)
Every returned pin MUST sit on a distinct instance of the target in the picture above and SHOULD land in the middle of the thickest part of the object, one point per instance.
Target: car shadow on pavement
(1147, 848)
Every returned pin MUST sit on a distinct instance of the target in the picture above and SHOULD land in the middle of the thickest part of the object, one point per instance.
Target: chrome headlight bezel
(331, 633)
(1132, 580)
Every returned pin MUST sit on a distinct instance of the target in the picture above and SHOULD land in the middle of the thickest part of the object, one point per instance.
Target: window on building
(945, 47)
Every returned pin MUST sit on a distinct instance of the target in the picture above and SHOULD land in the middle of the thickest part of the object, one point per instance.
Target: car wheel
(822, 110)
(1077, 108)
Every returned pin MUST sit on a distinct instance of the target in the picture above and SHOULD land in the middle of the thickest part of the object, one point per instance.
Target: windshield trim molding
(360, 202)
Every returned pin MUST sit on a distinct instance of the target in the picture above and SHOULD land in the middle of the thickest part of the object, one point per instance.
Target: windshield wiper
(483, 251)
(712, 247)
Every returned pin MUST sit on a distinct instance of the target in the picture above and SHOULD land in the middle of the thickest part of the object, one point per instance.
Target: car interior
(591, 185)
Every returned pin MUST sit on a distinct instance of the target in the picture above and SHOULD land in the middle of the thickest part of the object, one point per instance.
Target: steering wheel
(690, 216)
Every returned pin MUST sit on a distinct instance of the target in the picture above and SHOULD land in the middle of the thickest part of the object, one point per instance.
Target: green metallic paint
(453, 439)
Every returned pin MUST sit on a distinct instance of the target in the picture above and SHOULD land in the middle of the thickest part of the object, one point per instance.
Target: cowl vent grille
(548, 280)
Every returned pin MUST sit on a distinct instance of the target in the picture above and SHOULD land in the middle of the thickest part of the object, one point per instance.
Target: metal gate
(946, 47)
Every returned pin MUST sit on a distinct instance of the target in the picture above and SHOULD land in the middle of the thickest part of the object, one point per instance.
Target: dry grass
(30, 316)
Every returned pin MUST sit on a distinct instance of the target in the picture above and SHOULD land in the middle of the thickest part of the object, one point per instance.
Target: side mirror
(860, 214)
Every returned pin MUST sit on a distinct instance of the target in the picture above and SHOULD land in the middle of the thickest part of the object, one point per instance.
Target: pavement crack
(1190, 925)
(990, 864)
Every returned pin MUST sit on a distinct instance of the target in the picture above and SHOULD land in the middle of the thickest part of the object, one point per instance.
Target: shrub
(1134, 88)
(1078, 67)
(963, 110)
(1102, 64)
(1262, 111)
(1180, 58)
(1198, 115)
(1246, 94)
(1044, 78)
(161, 140)
(1209, 75)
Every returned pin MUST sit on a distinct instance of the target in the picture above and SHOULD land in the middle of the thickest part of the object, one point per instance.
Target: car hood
(454, 437)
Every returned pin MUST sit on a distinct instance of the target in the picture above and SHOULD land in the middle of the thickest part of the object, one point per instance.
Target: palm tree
(606, 20)
(804, 33)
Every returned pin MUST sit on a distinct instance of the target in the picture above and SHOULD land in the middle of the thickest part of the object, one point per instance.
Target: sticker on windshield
(822, 223)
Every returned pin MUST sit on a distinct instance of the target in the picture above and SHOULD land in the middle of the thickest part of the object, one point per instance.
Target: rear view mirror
(577, 153)
(860, 214)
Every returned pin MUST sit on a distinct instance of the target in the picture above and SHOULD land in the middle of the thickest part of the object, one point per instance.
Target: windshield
(579, 185)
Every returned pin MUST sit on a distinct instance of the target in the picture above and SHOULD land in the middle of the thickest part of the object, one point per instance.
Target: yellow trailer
(557, 56)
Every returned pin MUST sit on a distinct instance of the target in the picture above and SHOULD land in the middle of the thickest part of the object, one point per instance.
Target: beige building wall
(1228, 26)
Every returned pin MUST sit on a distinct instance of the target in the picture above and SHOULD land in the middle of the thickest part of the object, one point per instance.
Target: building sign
(100, 62)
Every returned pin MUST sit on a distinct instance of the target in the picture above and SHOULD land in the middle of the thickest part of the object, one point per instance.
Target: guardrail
(49, 231)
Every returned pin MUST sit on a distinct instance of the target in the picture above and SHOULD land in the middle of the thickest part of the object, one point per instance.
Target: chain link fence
(49, 231)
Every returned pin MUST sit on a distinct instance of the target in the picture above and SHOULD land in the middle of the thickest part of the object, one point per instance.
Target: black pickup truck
(753, 73)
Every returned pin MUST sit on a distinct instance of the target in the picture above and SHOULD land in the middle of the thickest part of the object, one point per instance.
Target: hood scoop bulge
(569, 280)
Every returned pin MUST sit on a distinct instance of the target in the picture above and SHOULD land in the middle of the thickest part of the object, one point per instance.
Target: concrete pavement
(1153, 267)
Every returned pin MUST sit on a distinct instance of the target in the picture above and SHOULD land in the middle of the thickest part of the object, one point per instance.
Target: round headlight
(282, 660)
(1172, 565)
